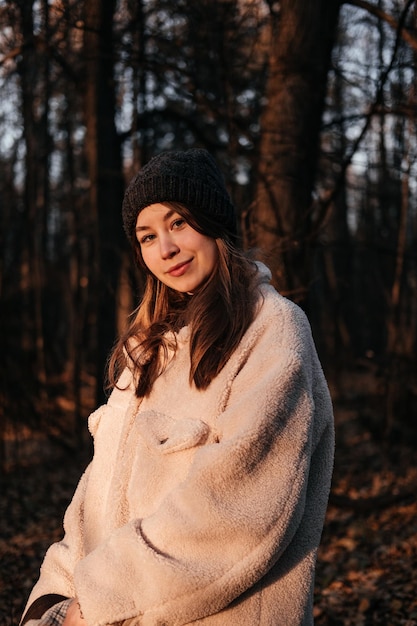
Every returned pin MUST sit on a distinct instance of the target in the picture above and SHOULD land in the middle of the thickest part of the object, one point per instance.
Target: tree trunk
(281, 220)
(104, 163)
(36, 175)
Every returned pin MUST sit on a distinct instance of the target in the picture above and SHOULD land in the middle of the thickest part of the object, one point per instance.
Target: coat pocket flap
(166, 434)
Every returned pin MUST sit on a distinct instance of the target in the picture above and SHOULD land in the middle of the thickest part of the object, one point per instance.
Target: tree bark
(35, 194)
(280, 220)
(105, 172)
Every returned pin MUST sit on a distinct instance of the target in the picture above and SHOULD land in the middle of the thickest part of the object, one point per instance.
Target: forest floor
(367, 563)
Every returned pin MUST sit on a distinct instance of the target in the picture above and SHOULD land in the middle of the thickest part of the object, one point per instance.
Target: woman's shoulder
(276, 308)
(109, 415)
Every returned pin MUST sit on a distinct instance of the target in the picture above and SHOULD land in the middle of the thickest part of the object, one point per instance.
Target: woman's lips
(179, 269)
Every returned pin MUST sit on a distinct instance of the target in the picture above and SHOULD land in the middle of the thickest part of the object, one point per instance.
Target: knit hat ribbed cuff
(190, 178)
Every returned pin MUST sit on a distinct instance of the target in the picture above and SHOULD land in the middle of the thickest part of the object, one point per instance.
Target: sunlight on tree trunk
(301, 43)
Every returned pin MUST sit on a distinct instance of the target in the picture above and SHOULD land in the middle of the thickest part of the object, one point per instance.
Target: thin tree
(105, 172)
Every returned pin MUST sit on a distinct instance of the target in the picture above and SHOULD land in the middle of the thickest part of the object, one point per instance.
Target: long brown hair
(218, 314)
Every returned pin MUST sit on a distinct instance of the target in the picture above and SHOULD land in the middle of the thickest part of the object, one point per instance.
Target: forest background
(310, 109)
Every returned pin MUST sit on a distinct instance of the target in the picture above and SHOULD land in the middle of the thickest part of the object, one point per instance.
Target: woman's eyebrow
(166, 217)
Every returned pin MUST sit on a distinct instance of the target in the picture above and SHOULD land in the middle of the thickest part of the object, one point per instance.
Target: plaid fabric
(56, 614)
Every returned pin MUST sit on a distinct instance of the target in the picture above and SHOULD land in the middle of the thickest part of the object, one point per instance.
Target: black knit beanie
(191, 178)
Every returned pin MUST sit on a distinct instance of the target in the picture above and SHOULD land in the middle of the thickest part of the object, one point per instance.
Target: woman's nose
(168, 248)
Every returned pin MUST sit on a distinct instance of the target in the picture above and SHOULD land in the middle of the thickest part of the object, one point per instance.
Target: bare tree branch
(325, 201)
(386, 17)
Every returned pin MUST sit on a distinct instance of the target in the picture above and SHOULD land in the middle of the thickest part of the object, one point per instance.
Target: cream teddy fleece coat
(205, 507)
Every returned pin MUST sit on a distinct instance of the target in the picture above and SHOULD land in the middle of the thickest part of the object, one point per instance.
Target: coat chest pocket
(165, 435)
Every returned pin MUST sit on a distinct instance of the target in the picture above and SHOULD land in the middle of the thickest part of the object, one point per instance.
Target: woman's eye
(178, 222)
(146, 238)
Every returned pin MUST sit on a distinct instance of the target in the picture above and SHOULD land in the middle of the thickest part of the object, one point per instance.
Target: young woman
(205, 499)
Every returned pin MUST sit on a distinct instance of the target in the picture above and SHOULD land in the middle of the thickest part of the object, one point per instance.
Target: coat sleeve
(56, 575)
(237, 511)
(56, 581)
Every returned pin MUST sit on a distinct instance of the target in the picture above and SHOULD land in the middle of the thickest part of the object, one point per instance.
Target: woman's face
(175, 253)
